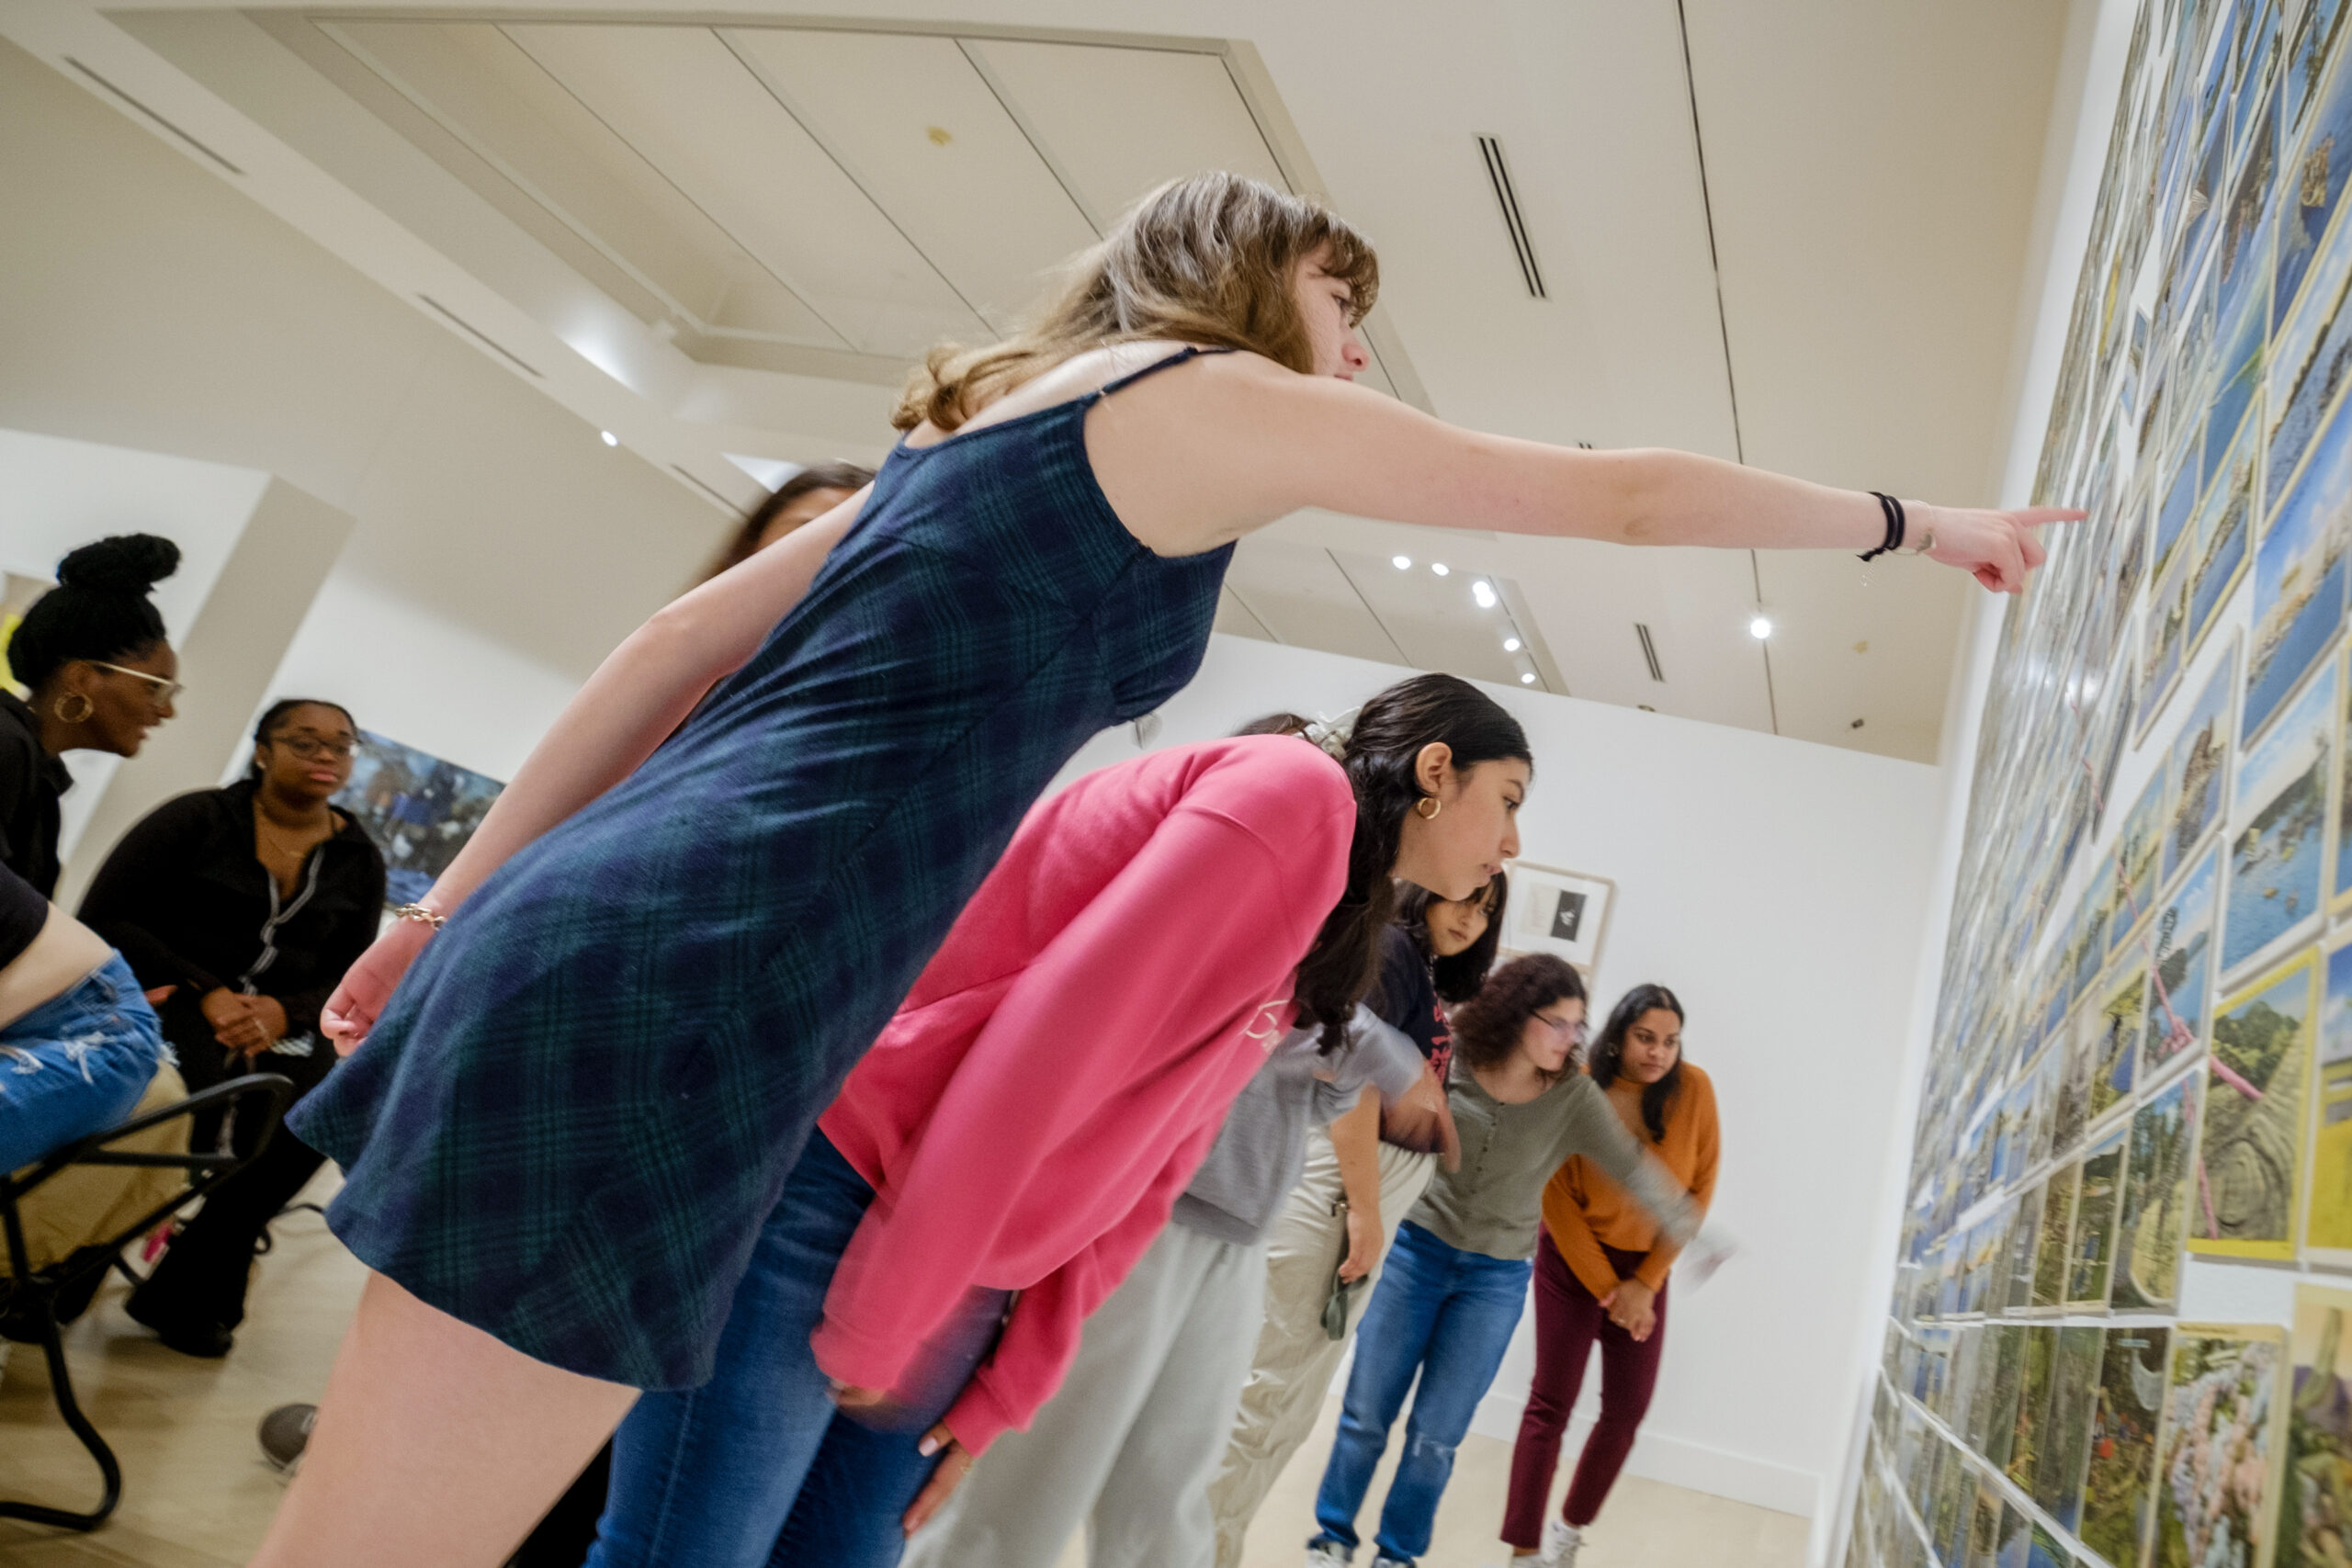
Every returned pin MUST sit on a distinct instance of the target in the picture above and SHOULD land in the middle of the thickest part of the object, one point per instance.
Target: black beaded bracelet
(1893, 512)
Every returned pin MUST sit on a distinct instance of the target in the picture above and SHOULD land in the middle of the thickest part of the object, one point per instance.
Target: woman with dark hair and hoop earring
(797, 501)
(101, 674)
(1601, 1273)
(243, 907)
(1155, 935)
(1457, 1276)
(1361, 1175)
(570, 1114)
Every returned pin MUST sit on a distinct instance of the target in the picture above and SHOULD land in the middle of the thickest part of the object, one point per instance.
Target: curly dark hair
(1487, 1027)
(1458, 976)
(1380, 756)
(1608, 1051)
(99, 611)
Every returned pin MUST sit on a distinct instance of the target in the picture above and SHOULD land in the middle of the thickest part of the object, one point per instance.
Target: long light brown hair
(1205, 260)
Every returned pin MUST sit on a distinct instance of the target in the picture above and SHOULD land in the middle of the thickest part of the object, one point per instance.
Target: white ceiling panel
(1300, 595)
(682, 98)
(491, 96)
(1116, 122)
(918, 126)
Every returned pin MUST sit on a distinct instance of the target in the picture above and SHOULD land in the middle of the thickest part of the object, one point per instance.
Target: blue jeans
(757, 1466)
(75, 1065)
(1447, 1315)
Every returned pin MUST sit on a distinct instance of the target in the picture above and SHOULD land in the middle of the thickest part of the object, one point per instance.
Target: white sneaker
(1324, 1554)
(1561, 1540)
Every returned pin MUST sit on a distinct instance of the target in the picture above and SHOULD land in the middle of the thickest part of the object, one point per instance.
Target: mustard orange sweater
(1585, 1210)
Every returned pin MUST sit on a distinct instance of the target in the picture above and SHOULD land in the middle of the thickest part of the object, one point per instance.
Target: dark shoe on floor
(285, 1432)
(207, 1341)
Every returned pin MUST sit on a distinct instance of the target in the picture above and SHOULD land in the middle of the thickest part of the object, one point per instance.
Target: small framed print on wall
(1561, 912)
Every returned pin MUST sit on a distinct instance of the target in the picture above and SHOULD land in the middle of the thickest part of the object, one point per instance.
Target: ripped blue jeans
(75, 1065)
(1444, 1314)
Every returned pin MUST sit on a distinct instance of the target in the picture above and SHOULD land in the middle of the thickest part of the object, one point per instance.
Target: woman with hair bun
(101, 674)
(574, 1110)
(242, 907)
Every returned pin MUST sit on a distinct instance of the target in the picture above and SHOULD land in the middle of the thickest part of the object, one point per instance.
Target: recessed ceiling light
(1440, 567)
(1402, 563)
(1760, 627)
(1527, 680)
(1482, 592)
(1510, 645)
(610, 439)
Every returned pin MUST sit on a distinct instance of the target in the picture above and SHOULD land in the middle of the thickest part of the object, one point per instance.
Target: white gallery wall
(1780, 887)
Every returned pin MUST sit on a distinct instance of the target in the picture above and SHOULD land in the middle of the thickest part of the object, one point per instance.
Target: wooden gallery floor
(199, 1495)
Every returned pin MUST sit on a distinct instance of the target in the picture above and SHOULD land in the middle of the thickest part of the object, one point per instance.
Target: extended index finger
(2035, 516)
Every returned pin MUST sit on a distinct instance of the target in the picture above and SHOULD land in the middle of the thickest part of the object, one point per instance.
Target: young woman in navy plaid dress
(576, 1108)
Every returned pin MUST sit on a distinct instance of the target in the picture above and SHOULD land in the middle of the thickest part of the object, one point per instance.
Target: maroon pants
(1568, 1323)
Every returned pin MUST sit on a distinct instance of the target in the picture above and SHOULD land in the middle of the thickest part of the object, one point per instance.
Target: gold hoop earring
(58, 707)
(1427, 808)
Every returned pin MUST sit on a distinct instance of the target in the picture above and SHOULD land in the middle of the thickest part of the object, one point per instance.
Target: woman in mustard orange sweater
(1601, 1274)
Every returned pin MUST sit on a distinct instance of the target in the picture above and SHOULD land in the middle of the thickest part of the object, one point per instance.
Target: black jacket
(30, 781)
(188, 902)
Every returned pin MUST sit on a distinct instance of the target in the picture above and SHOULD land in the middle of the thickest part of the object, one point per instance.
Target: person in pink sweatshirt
(1016, 1139)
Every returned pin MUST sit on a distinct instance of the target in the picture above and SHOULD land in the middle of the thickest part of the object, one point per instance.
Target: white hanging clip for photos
(1333, 734)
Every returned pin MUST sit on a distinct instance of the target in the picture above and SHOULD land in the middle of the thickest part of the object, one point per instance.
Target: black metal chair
(258, 1094)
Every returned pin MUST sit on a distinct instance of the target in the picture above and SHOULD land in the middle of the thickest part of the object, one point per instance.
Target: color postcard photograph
(2066, 1447)
(2315, 1500)
(2120, 1022)
(2152, 1217)
(2307, 54)
(2119, 1488)
(2299, 575)
(2017, 1538)
(2180, 987)
(2055, 1251)
(2327, 1231)
(2340, 885)
(2313, 184)
(2000, 1415)
(2071, 1112)
(2225, 523)
(419, 809)
(2095, 1214)
(2045, 1551)
(2164, 634)
(2278, 830)
(2025, 1245)
(2139, 849)
(2033, 1405)
(2307, 361)
(2250, 1154)
(2197, 767)
(2215, 1472)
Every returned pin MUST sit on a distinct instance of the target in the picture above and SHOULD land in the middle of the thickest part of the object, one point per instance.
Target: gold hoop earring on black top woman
(58, 707)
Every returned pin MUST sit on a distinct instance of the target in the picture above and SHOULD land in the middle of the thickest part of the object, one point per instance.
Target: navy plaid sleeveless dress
(582, 1102)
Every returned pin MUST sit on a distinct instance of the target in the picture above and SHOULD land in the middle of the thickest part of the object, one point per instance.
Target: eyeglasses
(310, 747)
(165, 691)
(1577, 1032)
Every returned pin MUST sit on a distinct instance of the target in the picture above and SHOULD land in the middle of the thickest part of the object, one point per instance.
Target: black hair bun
(127, 563)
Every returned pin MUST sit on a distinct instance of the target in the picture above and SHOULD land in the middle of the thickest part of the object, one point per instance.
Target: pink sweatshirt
(1047, 1087)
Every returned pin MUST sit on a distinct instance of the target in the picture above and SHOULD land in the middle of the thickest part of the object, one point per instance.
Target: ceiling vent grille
(481, 337)
(1649, 652)
(1499, 175)
(142, 109)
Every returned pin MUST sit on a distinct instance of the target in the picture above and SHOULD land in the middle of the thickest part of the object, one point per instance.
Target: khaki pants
(1295, 1360)
(1126, 1448)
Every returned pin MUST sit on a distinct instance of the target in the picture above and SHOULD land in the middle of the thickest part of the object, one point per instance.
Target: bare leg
(435, 1447)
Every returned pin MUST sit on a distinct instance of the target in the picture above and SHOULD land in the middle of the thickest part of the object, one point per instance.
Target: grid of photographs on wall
(2142, 1041)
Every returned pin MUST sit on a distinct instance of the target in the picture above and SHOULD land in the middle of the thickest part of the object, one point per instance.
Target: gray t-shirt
(1494, 1202)
(1261, 1152)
